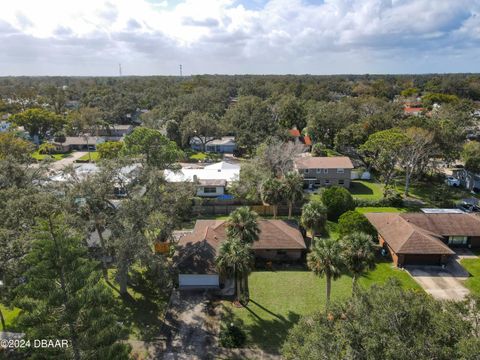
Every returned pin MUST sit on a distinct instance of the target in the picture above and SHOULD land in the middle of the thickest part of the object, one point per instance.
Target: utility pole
(119, 69)
(181, 70)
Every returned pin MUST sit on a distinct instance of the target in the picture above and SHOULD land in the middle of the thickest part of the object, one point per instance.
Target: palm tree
(314, 217)
(235, 258)
(292, 189)
(243, 224)
(325, 259)
(358, 255)
(272, 194)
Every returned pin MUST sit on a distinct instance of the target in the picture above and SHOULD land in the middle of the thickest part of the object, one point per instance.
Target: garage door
(423, 259)
(198, 281)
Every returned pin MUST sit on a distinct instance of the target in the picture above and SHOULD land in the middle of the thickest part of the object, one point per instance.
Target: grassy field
(280, 298)
(473, 267)
(93, 155)
(9, 316)
(366, 190)
(37, 156)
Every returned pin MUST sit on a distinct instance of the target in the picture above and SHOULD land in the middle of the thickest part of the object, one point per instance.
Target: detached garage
(196, 267)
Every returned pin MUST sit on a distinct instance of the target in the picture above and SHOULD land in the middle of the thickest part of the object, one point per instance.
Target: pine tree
(64, 297)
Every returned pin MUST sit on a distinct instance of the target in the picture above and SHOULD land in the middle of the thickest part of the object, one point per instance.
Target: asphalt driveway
(442, 284)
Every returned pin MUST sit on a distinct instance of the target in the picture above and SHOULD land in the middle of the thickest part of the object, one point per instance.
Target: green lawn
(364, 210)
(93, 155)
(9, 315)
(37, 156)
(433, 192)
(280, 298)
(366, 190)
(473, 267)
(196, 156)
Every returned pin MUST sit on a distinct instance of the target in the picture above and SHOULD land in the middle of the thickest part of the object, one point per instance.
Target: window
(281, 252)
(306, 171)
(457, 240)
(319, 171)
(325, 171)
(341, 182)
(209, 190)
(327, 182)
(340, 171)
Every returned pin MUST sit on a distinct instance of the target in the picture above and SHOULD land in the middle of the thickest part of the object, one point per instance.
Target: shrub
(337, 200)
(231, 336)
(353, 221)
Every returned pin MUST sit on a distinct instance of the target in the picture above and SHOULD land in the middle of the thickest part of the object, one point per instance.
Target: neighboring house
(468, 179)
(125, 176)
(115, 131)
(211, 187)
(211, 180)
(85, 143)
(223, 145)
(4, 126)
(425, 238)
(416, 111)
(298, 138)
(278, 240)
(324, 171)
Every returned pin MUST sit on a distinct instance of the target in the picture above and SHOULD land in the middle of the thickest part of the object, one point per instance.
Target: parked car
(452, 181)
(468, 208)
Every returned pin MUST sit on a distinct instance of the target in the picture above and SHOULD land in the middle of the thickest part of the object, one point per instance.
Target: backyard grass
(473, 267)
(433, 192)
(93, 155)
(366, 190)
(37, 156)
(9, 315)
(199, 156)
(280, 298)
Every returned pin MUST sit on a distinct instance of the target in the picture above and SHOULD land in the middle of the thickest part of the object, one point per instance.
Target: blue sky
(90, 37)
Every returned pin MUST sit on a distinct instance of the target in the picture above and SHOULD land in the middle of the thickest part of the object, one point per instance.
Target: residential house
(468, 179)
(4, 126)
(223, 145)
(82, 143)
(115, 131)
(211, 180)
(416, 111)
(298, 138)
(425, 238)
(278, 240)
(324, 171)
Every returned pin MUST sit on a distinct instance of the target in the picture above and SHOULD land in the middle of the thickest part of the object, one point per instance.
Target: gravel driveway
(192, 326)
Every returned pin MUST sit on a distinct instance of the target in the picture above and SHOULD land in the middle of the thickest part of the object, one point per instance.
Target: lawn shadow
(143, 312)
(264, 332)
(357, 188)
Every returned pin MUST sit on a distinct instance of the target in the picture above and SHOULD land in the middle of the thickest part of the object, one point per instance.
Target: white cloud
(226, 36)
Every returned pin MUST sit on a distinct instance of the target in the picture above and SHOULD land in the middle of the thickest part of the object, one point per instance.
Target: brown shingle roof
(321, 162)
(274, 234)
(198, 249)
(419, 233)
